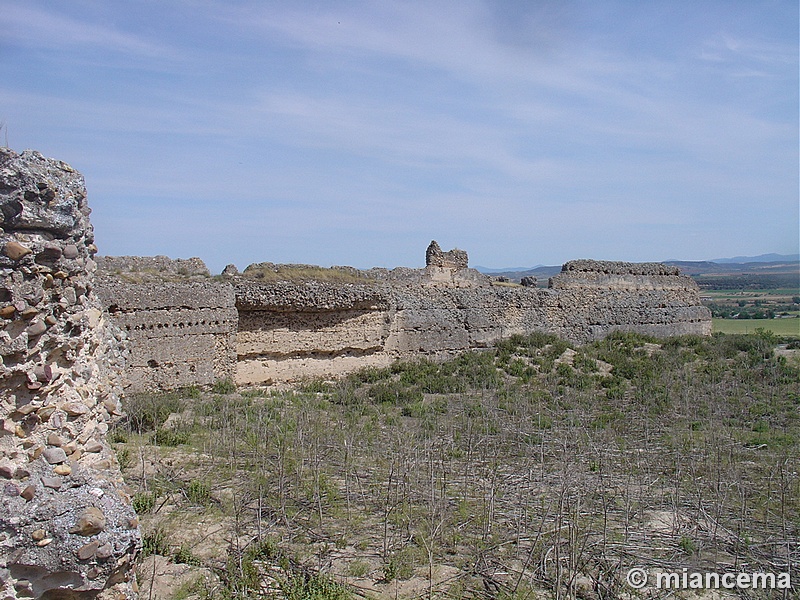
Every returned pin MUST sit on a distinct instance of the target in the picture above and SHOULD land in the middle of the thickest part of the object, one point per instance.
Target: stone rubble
(67, 528)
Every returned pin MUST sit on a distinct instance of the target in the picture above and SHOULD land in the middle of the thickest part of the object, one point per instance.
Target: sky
(353, 133)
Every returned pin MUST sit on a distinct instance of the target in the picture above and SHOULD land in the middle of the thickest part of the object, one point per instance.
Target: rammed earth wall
(198, 330)
(594, 298)
(179, 333)
(287, 331)
(185, 328)
(67, 529)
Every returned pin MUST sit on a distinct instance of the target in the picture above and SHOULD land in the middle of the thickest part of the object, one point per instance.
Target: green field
(767, 294)
(776, 326)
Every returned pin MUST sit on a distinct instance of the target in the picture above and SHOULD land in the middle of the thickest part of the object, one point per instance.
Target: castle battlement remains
(282, 323)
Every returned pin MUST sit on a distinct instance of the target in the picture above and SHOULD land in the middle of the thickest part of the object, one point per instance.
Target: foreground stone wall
(67, 529)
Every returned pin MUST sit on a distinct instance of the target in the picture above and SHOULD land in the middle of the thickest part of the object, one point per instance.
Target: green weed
(155, 542)
(170, 437)
(144, 502)
(224, 386)
(146, 412)
(198, 493)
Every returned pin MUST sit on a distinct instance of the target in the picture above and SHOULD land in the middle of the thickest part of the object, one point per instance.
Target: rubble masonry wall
(67, 528)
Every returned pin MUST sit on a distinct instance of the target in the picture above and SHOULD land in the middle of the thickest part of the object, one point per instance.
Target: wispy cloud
(725, 47)
(28, 26)
(331, 122)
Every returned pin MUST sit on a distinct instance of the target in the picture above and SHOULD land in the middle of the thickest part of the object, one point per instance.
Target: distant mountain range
(539, 271)
(714, 268)
(760, 258)
(763, 264)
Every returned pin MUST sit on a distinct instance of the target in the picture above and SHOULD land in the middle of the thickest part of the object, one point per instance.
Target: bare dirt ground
(533, 470)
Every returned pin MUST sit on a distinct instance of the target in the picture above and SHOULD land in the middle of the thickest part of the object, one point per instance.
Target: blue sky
(355, 132)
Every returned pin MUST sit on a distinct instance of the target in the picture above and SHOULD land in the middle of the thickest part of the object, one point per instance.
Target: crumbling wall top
(309, 295)
(151, 269)
(123, 296)
(452, 259)
(43, 196)
(610, 267)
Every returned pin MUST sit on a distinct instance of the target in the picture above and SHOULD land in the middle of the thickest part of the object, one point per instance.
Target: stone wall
(180, 333)
(67, 529)
(590, 299)
(180, 324)
(193, 332)
(452, 259)
(288, 331)
(187, 329)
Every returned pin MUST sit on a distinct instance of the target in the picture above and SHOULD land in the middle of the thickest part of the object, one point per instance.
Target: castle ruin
(72, 339)
(191, 329)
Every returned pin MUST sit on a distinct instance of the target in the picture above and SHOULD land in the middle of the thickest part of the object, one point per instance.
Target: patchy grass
(269, 273)
(510, 469)
(155, 276)
(790, 327)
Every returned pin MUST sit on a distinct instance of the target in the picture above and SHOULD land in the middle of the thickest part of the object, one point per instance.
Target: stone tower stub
(454, 259)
